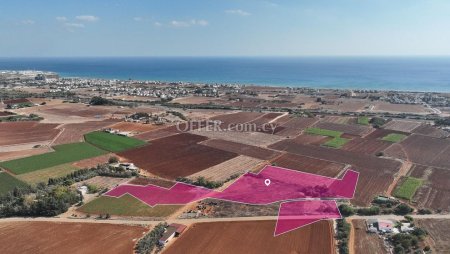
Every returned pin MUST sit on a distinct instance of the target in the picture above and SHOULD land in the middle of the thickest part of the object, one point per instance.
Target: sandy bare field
(51, 237)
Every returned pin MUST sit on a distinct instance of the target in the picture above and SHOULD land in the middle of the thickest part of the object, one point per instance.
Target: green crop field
(336, 142)
(112, 142)
(63, 154)
(408, 188)
(8, 182)
(323, 132)
(394, 137)
(363, 120)
(44, 174)
(126, 205)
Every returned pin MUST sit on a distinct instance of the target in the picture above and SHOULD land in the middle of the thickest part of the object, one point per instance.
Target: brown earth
(435, 192)
(366, 243)
(428, 130)
(376, 174)
(74, 132)
(402, 125)
(93, 162)
(12, 133)
(134, 127)
(293, 126)
(352, 129)
(242, 149)
(176, 156)
(423, 150)
(155, 134)
(51, 237)
(308, 164)
(253, 237)
(5, 156)
(439, 232)
(155, 181)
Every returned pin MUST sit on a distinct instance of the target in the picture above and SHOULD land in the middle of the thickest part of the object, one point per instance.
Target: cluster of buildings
(382, 226)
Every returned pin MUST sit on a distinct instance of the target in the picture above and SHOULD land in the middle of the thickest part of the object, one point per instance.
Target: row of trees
(148, 243)
(202, 181)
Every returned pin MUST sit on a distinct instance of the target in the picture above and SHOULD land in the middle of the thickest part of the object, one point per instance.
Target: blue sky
(224, 27)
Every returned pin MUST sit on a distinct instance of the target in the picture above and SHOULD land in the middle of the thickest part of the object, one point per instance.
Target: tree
(403, 209)
(113, 159)
(346, 210)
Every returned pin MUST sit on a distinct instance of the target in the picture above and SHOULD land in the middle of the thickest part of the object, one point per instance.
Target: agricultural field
(8, 182)
(43, 175)
(248, 138)
(74, 132)
(439, 232)
(336, 142)
(93, 162)
(431, 131)
(229, 120)
(11, 155)
(224, 170)
(112, 142)
(434, 193)
(154, 181)
(394, 137)
(104, 182)
(215, 208)
(155, 134)
(308, 164)
(402, 125)
(253, 237)
(366, 145)
(293, 126)
(310, 139)
(134, 127)
(376, 174)
(412, 148)
(53, 237)
(407, 188)
(363, 120)
(63, 154)
(351, 129)
(339, 119)
(242, 149)
(367, 243)
(176, 156)
(13, 133)
(127, 205)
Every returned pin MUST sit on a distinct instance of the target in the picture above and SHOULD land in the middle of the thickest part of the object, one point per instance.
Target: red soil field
(376, 174)
(12, 133)
(155, 134)
(356, 130)
(51, 237)
(428, 130)
(5, 113)
(134, 127)
(266, 118)
(367, 146)
(74, 132)
(308, 164)
(176, 156)
(311, 139)
(381, 133)
(424, 150)
(439, 231)
(236, 118)
(93, 162)
(435, 193)
(368, 243)
(75, 109)
(15, 101)
(242, 149)
(253, 237)
(293, 126)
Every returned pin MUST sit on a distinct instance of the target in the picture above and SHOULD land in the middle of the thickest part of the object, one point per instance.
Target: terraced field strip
(63, 154)
(394, 137)
(112, 142)
(224, 170)
(43, 175)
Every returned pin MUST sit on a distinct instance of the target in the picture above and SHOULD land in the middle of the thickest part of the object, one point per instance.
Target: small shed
(168, 235)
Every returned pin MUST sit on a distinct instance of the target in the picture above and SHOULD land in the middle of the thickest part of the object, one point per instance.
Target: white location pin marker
(267, 182)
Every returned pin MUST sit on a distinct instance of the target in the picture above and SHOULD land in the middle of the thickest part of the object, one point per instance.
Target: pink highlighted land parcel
(308, 198)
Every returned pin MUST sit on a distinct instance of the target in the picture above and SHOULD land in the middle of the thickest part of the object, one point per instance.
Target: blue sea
(430, 74)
